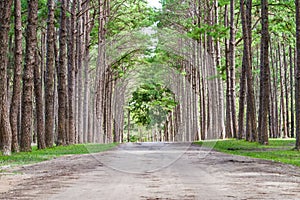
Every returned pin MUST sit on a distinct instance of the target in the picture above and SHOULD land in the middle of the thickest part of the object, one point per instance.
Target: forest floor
(152, 171)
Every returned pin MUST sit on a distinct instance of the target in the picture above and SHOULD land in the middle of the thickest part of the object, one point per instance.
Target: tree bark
(232, 70)
(292, 93)
(228, 133)
(264, 76)
(251, 109)
(18, 57)
(31, 45)
(297, 75)
(282, 104)
(38, 88)
(286, 71)
(88, 28)
(49, 76)
(71, 73)
(62, 87)
(79, 48)
(5, 128)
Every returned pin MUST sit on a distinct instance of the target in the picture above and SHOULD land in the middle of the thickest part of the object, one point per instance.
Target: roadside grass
(279, 150)
(36, 155)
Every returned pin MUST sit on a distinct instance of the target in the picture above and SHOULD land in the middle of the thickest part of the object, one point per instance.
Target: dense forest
(103, 71)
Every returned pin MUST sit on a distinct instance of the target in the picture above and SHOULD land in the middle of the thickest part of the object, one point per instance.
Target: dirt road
(153, 171)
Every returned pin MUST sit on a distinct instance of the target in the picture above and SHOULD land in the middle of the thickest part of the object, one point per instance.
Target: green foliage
(279, 150)
(168, 58)
(223, 2)
(150, 103)
(134, 138)
(47, 154)
(217, 31)
(129, 16)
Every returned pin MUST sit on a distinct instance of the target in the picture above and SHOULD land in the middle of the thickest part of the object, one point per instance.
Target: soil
(149, 171)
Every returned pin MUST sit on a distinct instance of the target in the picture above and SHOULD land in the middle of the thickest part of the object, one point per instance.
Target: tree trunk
(101, 73)
(264, 76)
(232, 70)
(251, 109)
(49, 76)
(71, 73)
(79, 48)
(128, 126)
(86, 73)
(31, 45)
(292, 93)
(273, 98)
(297, 75)
(18, 57)
(229, 131)
(62, 87)
(282, 104)
(38, 88)
(5, 128)
(285, 67)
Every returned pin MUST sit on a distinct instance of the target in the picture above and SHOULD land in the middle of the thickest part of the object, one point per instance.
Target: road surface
(149, 171)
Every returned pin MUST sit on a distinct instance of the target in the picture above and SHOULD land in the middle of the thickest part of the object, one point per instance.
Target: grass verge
(36, 155)
(280, 150)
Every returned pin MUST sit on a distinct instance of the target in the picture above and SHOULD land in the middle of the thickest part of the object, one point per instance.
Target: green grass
(279, 150)
(50, 153)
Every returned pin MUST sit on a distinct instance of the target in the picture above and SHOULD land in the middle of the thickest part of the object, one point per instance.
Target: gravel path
(173, 171)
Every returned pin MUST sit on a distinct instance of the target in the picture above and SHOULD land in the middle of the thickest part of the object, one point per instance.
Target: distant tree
(151, 103)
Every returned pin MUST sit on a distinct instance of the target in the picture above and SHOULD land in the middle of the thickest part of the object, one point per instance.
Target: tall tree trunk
(229, 131)
(251, 108)
(292, 93)
(220, 91)
(5, 128)
(16, 97)
(71, 73)
(108, 113)
(273, 98)
(264, 76)
(241, 123)
(79, 48)
(38, 88)
(232, 70)
(62, 87)
(49, 76)
(297, 75)
(101, 71)
(88, 27)
(246, 63)
(31, 45)
(275, 75)
(282, 104)
(285, 67)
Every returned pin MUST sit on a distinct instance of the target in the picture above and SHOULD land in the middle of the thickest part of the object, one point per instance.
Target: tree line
(56, 79)
(233, 69)
(252, 62)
